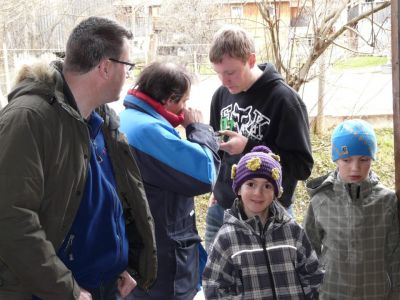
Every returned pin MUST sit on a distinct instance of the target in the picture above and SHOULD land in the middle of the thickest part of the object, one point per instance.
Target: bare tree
(34, 27)
(324, 28)
(187, 28)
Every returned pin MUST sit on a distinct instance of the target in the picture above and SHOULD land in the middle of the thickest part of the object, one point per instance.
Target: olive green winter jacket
(44, 156)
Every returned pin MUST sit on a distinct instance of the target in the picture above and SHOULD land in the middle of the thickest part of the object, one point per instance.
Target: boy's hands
(235, 144)
(192, 115)
(212, 201)
(125, 284)
(85, 295)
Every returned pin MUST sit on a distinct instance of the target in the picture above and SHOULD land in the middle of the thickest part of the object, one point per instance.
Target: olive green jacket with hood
(44, 157)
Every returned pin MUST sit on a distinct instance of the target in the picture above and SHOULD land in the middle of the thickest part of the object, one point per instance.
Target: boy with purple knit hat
(260, 252)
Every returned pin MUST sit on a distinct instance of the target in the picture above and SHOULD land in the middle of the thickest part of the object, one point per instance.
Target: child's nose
(356, 165)
(258, 190)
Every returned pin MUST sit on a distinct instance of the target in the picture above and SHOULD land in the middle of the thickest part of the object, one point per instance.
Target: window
(237, 11)
(271, 11)
(300, 17)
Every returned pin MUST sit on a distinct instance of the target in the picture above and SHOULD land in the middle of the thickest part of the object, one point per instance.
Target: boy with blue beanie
(352, 221)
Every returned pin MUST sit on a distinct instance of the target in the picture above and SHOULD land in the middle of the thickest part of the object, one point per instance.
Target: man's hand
(212, 201)
(192, 115)
(235, 144)
(85, 295)
(125, 284)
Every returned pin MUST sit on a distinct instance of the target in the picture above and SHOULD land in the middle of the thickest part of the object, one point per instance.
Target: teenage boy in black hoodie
(254, 106)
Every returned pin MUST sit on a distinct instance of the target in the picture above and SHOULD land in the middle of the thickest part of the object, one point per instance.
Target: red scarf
(174, 119)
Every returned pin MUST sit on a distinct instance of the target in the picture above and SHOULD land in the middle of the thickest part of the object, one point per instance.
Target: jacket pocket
(187, 264)
(6, 277)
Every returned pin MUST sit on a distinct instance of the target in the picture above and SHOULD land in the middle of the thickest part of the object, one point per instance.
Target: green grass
(206, 69)
(383, 167)
(360, 62)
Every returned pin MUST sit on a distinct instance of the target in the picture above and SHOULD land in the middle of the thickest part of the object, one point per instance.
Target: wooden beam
(396, 93)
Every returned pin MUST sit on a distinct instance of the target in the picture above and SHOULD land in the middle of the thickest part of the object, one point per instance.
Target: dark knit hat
(353, 137)
(259, 163)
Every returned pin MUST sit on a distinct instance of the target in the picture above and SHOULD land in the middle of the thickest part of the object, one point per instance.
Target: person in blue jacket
(174, 170)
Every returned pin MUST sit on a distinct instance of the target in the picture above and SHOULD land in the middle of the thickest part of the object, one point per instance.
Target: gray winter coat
(354, 229)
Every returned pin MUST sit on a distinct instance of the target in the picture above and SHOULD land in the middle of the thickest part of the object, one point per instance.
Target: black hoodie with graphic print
(269, 113)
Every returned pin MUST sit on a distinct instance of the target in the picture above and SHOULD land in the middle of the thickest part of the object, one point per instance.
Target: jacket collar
(94, 124)
(236, 215)
(355, 191)
(143, 106)
(172, 118)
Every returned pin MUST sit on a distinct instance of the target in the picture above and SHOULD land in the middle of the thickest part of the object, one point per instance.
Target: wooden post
(396, 92)
(319, 124)
(152, 52)
(6, 73)
(195, 66)
(2, 100)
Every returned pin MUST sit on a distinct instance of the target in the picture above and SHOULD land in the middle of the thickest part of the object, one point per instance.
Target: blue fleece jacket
(96, 248)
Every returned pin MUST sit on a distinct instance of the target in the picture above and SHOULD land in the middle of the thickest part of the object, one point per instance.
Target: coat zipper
(264, 246)
(68, 247)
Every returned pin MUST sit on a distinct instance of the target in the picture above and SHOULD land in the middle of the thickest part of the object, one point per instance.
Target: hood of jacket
(270, 74)
(235, 216)
(39, 78)
(44, 78)
(331, 180)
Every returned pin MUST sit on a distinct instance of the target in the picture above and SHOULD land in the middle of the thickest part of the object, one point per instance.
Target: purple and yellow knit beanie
(259, 163)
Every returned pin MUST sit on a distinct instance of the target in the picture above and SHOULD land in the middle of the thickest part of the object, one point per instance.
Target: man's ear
(164, 101)
(169, 100)
(103, 69)
(252, 60)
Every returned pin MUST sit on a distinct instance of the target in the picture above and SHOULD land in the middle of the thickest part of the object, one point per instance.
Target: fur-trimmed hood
(40, 78)
(44, 78)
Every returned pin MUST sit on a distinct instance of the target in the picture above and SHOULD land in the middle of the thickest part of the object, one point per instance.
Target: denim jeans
(214, 221)
(291, 211)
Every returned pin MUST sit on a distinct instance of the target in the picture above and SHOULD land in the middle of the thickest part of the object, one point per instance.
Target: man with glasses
(74, 218)
(129, 66)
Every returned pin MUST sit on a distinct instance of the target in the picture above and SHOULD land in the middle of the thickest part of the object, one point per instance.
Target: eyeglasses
(130, 65)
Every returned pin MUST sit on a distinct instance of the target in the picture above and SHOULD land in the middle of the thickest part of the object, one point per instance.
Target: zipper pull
(68, 247)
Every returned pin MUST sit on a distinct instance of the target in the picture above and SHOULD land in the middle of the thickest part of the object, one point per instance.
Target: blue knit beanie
(353, 137)
(259, 163)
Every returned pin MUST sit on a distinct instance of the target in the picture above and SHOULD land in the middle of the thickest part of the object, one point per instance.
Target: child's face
(257, 195)
(354, 169)
(235, 75)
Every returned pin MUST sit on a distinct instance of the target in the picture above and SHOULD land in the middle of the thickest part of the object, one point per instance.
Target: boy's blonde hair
(233, 41)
